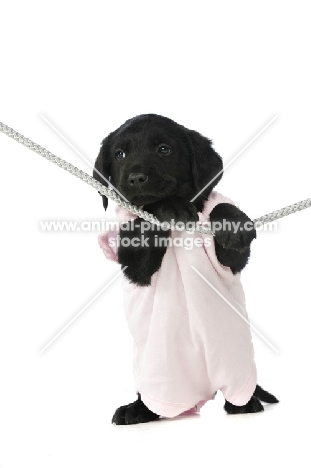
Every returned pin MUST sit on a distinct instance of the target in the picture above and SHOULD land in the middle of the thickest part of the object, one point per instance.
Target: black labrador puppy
(161, 165)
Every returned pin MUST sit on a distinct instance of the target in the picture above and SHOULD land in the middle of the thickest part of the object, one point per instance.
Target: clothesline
(112, 195)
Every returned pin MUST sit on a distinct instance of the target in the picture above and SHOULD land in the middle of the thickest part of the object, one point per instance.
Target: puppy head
(151, 157)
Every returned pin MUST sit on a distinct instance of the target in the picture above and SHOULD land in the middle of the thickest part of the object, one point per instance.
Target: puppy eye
(119, 154)
(163, 149)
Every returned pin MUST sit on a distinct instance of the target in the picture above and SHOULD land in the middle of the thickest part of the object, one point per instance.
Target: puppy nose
(137, 179)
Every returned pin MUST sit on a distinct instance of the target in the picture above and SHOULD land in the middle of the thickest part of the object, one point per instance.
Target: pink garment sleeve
(108, 240)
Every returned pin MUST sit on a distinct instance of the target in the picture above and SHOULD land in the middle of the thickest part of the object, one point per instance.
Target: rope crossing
(112, 195)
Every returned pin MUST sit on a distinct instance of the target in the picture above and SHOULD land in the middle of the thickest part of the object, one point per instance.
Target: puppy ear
(101, 168)
(206, 164)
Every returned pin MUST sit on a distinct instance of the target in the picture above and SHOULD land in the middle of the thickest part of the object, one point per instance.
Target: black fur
(161, 165)
(265, 396)
(232, 248)
(254, 405)
(189, 167)
(134, 413)
(141, 262)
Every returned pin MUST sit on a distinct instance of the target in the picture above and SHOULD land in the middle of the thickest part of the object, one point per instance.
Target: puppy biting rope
(268, 218)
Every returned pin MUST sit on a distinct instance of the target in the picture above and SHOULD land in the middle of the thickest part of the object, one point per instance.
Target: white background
(224, 70)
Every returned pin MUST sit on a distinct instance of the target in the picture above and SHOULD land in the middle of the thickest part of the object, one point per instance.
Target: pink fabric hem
(170, 410)
(245, 394)
(197, 407)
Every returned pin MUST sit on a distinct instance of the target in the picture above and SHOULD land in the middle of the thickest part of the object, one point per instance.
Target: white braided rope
(10, 132)
(281, 213)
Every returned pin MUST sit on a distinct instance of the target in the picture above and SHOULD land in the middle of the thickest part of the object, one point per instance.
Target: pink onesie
(188, 342)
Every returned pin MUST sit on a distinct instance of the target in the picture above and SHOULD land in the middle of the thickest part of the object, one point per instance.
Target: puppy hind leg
(264, 396)
(253, 406)
(134, 413)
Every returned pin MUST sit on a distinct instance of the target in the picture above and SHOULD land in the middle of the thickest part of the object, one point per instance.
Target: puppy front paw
(233, 229)
(173, 208)
(140, 252)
